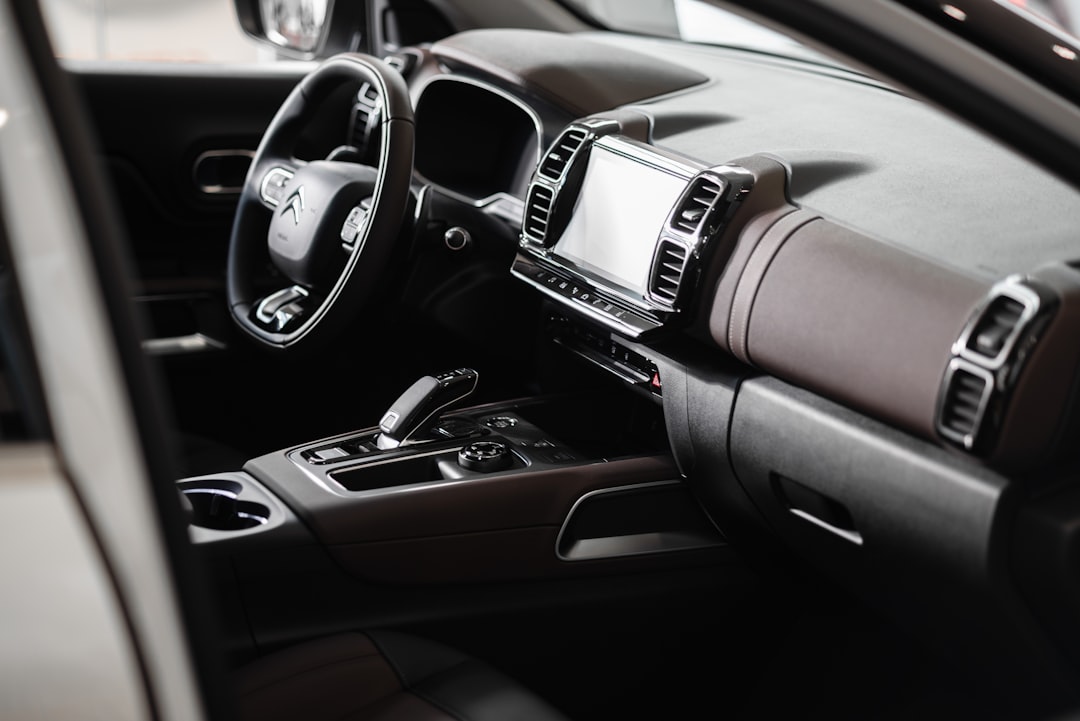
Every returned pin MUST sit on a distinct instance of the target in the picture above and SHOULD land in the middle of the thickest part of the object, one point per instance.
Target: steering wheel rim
(261, 226)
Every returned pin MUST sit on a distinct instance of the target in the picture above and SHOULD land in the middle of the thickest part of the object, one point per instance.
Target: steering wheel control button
(285, 315)
(485, 457)
(353, 226)
(273, 186)
(501, 422)
(277, 310)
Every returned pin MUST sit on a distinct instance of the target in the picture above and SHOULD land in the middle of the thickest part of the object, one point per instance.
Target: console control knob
(485, 457)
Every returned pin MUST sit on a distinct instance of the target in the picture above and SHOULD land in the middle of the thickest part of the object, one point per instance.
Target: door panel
(166, 134)
(153, 124)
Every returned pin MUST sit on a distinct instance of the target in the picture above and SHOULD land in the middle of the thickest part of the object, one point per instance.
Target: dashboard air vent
(694, 205)
(988, 360)
(963, 405)
(999, 322)
(538, 212)
(667, 270)
(558, 158)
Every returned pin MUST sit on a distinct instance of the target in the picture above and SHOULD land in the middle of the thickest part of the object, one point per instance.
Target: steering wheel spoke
(354, 229)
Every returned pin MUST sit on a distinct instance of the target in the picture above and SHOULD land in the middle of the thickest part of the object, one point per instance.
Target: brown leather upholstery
(381, 676)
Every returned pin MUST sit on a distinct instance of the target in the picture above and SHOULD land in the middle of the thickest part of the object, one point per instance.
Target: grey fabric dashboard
(867, 157)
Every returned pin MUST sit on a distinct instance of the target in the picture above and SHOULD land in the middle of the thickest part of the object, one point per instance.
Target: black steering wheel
(328, 226)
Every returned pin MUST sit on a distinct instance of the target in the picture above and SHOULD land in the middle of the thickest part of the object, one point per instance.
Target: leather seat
(381, 676)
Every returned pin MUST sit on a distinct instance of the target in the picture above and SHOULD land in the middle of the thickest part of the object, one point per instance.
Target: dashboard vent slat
(964, 404)
(557, 160)
(538, 212)
(695, 204)
(667, 272)
(999, 321)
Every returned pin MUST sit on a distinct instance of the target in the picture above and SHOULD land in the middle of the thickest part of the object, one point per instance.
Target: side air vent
(667, 271)
(538, 207)
(558, 158)
(988, 361)
(997, 327)
(696, 205)
(964, 402)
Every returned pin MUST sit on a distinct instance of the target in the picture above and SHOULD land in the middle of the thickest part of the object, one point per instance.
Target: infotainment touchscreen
(620, 210)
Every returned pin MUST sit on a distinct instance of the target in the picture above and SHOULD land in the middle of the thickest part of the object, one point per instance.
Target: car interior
(529, 369)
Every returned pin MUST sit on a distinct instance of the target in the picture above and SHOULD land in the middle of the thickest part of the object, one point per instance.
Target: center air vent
(665, 279)
(964, 402)
(538, 207)
(696, 206)
(553, 166)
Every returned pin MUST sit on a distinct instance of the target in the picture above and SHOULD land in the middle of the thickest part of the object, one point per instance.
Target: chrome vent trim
(666, 274)
(988, 358)
(991, 335)
(686, 239)
(538, 207)
(558, 158)
(965, 398)
(697, 205)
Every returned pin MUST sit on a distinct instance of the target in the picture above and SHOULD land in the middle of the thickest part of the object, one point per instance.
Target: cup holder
(215, 504)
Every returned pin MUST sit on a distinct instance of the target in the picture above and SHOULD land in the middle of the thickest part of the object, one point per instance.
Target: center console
(533, 488)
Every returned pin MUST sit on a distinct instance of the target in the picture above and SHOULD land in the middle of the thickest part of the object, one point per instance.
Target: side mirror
(305, 29)
(294, 24)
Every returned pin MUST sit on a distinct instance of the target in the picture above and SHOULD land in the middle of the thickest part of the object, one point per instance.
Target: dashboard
(856, 312)
(859, 248)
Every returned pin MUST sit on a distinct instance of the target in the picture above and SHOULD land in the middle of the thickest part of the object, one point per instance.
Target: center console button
(457, 428)
(329, 454)
(501, 422)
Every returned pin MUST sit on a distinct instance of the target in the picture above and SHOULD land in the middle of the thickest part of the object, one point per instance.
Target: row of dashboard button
(555, 284)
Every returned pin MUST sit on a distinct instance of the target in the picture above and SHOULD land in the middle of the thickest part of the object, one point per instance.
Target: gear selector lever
(417, 409)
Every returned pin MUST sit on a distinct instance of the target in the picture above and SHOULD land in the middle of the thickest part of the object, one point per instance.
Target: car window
(201, 31)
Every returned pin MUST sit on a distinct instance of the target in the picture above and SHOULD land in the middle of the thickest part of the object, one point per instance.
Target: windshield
(690, 20)
(701, 22)
(1037, 37)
